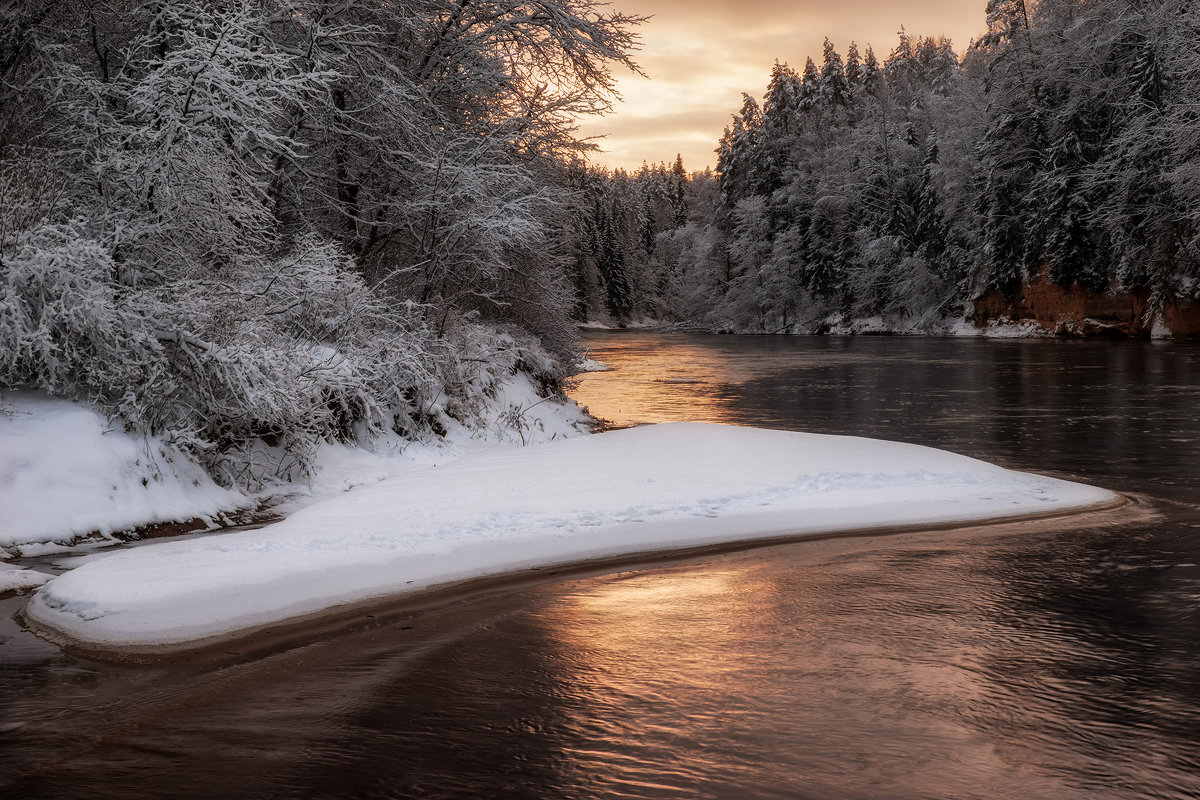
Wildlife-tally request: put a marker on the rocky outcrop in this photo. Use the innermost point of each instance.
(1074, 311)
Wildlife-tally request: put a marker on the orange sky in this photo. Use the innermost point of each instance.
(702, 54)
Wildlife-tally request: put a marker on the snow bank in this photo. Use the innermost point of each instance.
(591, 365)
(1006, 328)
(65, 472)
(15, 578)
(927, 324)
(504, 509)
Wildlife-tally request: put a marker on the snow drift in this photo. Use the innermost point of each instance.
(65, 472)
(640, 490)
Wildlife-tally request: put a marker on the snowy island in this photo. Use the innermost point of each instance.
(497, 509)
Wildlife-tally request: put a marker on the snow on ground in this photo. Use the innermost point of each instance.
(65, 472)
(517, 415)
(504, 509)
(1006, 328)
(591, 365)
(920, 325)
(14, 578)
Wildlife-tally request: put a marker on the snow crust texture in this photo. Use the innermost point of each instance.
(65, 472)
(14, 579)
(503, 509)
(68, 475)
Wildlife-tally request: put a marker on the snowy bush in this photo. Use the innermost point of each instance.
(482, 359)
(265, 367)
(251, 372)
(65, 325)
(250, 227)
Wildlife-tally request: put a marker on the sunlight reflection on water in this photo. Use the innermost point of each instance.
(1043, 660)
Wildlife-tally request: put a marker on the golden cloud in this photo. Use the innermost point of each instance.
(702, 54)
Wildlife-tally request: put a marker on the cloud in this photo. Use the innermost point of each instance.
(702, 54)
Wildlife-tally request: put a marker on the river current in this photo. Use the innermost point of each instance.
(1051, 660)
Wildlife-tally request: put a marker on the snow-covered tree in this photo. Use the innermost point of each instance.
(834, 85)
(250, 225)
(737, 155)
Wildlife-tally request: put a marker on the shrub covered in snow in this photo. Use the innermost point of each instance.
(249, 227)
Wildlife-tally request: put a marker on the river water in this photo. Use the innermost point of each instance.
(1048, 660)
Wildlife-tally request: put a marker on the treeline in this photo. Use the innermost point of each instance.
(255, 225)
(622, 225)
(1066, 139)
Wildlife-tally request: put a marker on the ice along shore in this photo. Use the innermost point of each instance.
(632, 492)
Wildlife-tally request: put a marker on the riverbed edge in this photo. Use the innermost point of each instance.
(261, 640)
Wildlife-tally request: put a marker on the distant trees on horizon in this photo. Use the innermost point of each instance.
(1065, 138)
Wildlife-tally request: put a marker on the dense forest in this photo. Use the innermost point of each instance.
(248, 225)
(890, 194)
(261, 224)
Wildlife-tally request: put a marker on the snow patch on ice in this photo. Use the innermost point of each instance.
(591, 365)
(15, 579)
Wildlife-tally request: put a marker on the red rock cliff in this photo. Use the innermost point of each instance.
(1074, 311)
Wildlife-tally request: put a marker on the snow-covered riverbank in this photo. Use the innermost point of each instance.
(504, 509)
(73, 482)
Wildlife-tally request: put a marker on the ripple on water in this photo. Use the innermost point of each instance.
(1055, 661)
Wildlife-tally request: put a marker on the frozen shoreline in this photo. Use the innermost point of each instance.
(72, 481)
(273, 637)
(612, 497)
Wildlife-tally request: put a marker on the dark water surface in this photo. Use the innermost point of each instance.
(1048, 660)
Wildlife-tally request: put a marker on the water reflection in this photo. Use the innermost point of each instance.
(675, 378)
(1036, 661)
(1107, 655)
(915, 667)
(1123, 414)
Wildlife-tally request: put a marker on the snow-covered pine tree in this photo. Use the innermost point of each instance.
(610, 264)
(738, 169)
(854, 71)
(810, 87)
(871, 73)
(1012, 148)
(1182, 134)
(780, 125)
(678, 193)
(1144, 222)
(834, 87)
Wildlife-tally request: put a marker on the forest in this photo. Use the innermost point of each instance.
(257, 225)
(889, 193)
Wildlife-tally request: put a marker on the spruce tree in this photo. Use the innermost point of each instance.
(678, 193)
(810, 88)
(834, 88)
(737, 165)
(854, 70)
(779, 126)
(871, 75)
(780, 101)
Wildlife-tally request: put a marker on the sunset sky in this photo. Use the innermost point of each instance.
(702, 54)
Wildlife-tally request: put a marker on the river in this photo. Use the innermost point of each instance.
(1050, 660)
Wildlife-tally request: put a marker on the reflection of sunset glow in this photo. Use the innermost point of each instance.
(673, 670)
(625, 600)
(679, 383)
(693, 623)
